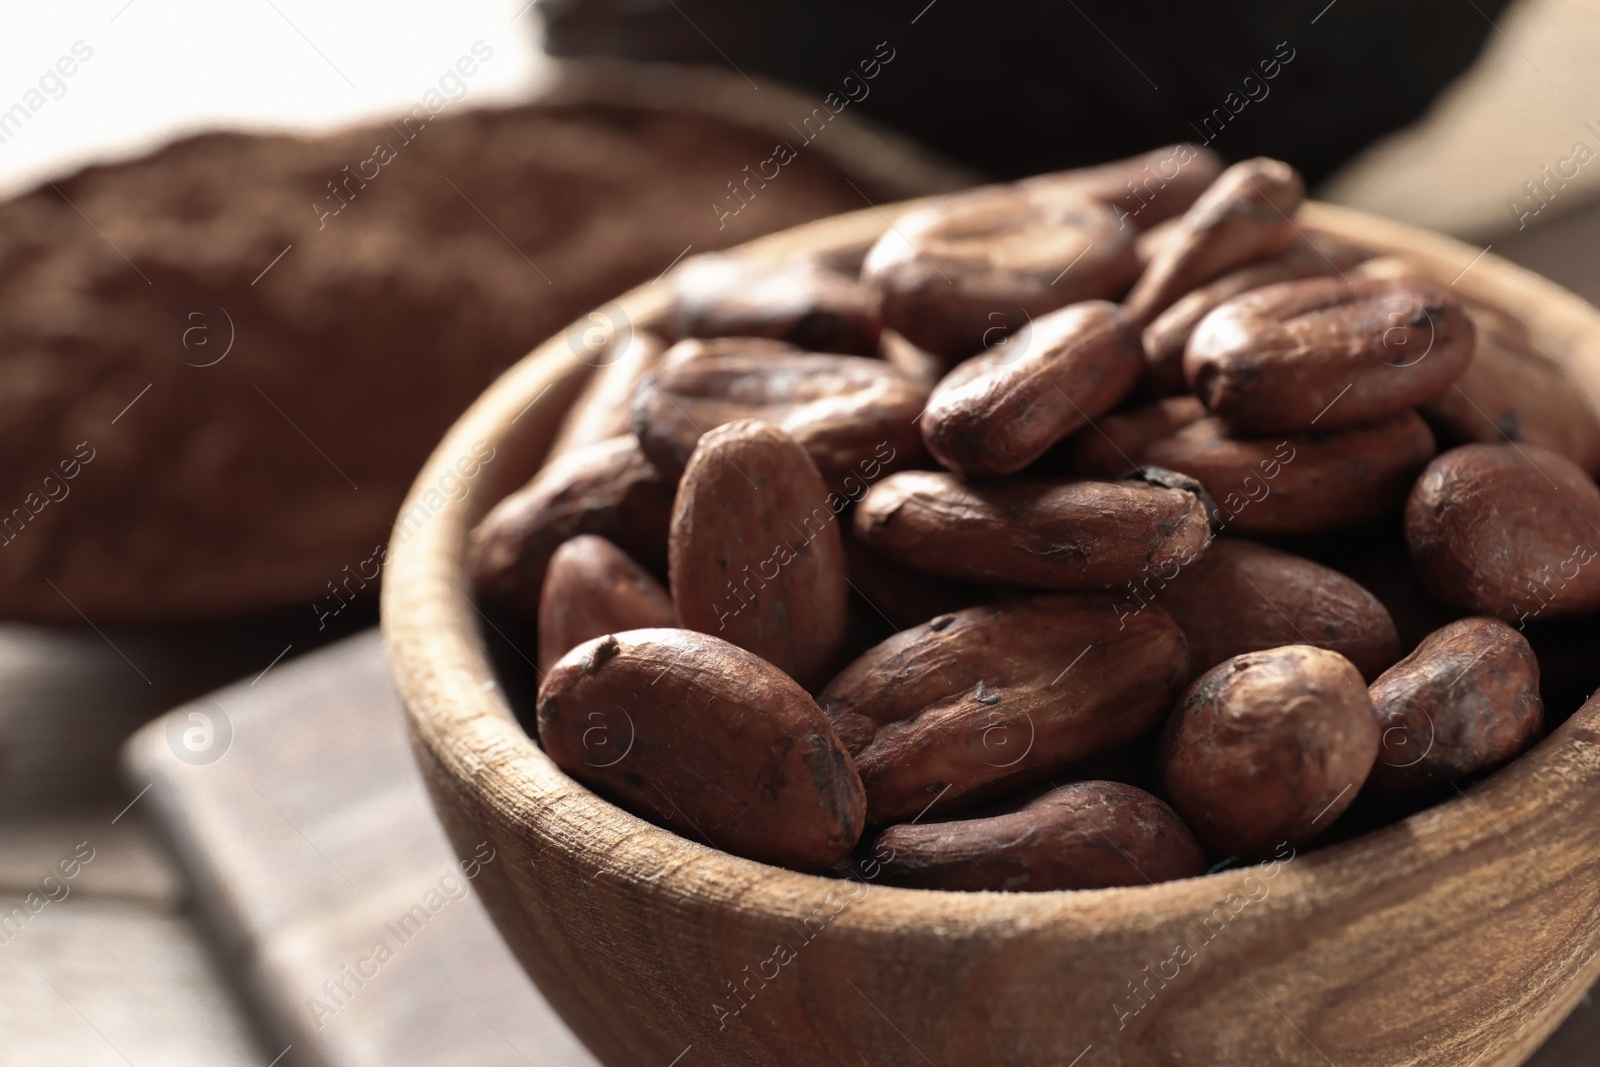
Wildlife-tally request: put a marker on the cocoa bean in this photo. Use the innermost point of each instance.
(706, 739)
(798, 302)
(1117, 444)
(1050, 534)
(754, 553)
(601, 411)
(592, 589)
(1464, 702)
(1269, 748)
(1000, 410)
(1087, 835)
(994, 697)
(1507, 530)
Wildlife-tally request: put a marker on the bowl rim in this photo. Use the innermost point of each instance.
(463, 728)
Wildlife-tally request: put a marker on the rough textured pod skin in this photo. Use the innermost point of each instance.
(967, 271)
(1269, 747)
(754, 553)
(706, 739)
(1507, 530)
(1168, 335)
(1326, 353)
(601, 411)
(1464, 702)
(971, 704)
(592, 589)
(609, 489)
(1239, 597)
(1116, 444)
(799, 302)
(1087, 835)
(1047, 534)
(847, 411)
(1143, 190)
(1300, 483)
(1243, 216)
(1000, 410)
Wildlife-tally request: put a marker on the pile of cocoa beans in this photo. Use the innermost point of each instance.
(994, 554)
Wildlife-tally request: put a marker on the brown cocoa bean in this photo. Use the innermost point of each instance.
(1326, 353)
(1168, 335)
(1000, 410)
(754, 553)
(1300, 483)
(706, 739)
(852, 414)
(699, 347)
(609, 489)
(1116, 444)
(601, 412)
(1087, 835)
(1269, 748)
(1511, 391)
(1464, 702)
(899, 595)
(918, 364)
(1507, 530)
(993, 697)
(1045, 534)
(966, 271)
(798, 302)
(1239, 596)
(1243, 216)
(1143, 190)
(592, 589)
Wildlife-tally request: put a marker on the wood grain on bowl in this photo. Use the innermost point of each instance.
(1462, 935)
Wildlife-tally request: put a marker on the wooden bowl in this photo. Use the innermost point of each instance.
(1463, 935)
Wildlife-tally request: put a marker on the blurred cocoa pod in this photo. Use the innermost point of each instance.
(261, 337)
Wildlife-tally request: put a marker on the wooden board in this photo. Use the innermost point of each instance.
(308, 843)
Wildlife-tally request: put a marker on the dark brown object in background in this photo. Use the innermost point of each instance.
(967, 271)
(592, 589)
(1116, 444)
(1035, 532)
(1002, 409)
(1088, 835)
(1300, 483)
(603, 410)
(1168, 335)
(798, 302)
(609, 489)
(1243, 216)
(754, 552)
(1327, 353)
(898, 595)
(1464, 702)
(711, 741)
(1239, 597)
(981, 701)
(854, 415)
(1269, 747)
(1507, 530)
(367, 313)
